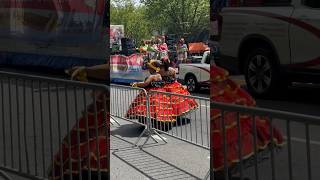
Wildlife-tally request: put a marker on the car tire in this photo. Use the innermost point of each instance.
(262, 73)
(191, 83)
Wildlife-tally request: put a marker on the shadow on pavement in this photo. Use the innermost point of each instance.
(148, 164)
(128, 130)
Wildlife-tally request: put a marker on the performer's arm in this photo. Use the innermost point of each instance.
(145, 83)
(172, 72)
(98, 72)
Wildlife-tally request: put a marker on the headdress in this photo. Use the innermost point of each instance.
(154, 64)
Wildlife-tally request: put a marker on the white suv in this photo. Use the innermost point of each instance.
(272, 44)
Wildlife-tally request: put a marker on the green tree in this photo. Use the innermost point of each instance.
(179, 16)
(133, 17)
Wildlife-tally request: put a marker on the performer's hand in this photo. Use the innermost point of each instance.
(78, 73)
(185, 87)
(134, 84)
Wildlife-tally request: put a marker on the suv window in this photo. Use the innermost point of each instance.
(207, 60)
(312, 3)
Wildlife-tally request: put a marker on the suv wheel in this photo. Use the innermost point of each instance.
(261, 73)
(191, 83)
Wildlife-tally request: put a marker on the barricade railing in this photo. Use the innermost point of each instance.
(297, 158)
(47, 125)
(187, 118)
(191, 126)
(122, 98)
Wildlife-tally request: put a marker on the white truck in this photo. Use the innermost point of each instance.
(273, 43)
(196, 74)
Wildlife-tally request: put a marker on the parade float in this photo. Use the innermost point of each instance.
(54, 34)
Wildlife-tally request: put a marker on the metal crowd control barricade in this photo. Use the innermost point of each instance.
(38, 115)
(191, 126)
(297, 159)
(122, 98)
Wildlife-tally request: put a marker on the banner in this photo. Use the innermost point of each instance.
(69, 28)
(126, 69)
(116, 34)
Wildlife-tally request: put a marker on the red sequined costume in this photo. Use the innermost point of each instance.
(85, 150)
(181, 104)
(224, 90)
(160, 107)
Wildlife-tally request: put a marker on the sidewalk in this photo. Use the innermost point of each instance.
(173, 160)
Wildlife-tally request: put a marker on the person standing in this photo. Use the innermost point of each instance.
(182, 51)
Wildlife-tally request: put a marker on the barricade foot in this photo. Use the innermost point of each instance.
(153, 139)
(111, 118)
(155, 132)
(4, 175)
(207, 176)
(140, 136)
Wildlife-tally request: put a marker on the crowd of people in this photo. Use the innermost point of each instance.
(156, 48)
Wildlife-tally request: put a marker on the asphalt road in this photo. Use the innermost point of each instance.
(299, 98)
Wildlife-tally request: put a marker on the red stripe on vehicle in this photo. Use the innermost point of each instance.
(304, 25)
(311, 63)
(308, 27)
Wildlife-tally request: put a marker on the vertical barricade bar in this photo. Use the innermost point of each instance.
(96, 131)
(42, 129)
(34, 129)
(87, 130)
(149, 124)
(68, 130)
(25, 126)
(225, 146)
(308, 151)
(239, 144)
(255, 150)
(78, 131)
(51, 130)
(18, 124)
(106, 125)
(11, 119)
(3, 125)
(59, 131)
(289, 148)
(272, 145)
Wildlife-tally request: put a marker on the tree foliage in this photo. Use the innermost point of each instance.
(132, 17)
(179, 17)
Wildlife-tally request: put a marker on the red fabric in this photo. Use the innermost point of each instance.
(163, 47)
(163, 107)
(225, 90)
(198, 47)
(85, 150)
(160, 108)
(180, 104)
